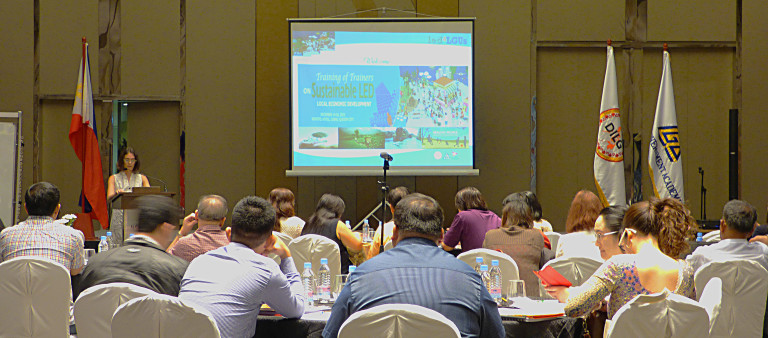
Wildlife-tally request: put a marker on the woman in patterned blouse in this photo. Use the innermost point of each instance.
(653, 235)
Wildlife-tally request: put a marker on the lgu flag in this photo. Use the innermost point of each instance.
(664, 155)
(609, 153)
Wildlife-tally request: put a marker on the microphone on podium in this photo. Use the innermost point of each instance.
(386, 156)
(165, 186)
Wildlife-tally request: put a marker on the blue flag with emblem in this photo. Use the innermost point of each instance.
(664, 152)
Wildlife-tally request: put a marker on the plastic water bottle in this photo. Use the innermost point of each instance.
(308, 280)
(478, 263)
(366, 229)
(324, 281)
(495, 275)
(349, 226)
(485, 276)
(103, 244)
(352, 269)
(699, 237)
(111, 240)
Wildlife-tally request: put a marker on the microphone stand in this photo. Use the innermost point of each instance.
(384, 191)
(703, 196)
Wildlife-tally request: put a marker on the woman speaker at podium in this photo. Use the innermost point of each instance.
(125, 180)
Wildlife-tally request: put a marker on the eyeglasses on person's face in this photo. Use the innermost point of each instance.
(129, 160)
(621, 239)
(599, 235)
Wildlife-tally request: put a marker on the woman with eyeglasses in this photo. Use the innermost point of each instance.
(607, 228)
(653, 235)
(127, 178)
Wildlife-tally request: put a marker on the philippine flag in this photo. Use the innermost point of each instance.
(85, 142)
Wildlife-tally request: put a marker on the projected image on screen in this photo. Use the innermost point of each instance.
(360, 88)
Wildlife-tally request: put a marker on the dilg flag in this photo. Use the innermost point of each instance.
(609, 153)
(664, 153)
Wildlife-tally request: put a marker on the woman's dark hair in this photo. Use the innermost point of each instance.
(121, 159)
(613, 216)
(668, 220)
(470, 198)
(530, 198)
(282, 199)
(330, 207)
(583, 212)
(517, 212)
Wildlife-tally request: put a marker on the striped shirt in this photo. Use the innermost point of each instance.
(38, 236)
(206, 238)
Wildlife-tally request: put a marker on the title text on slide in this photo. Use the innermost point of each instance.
(346, 91)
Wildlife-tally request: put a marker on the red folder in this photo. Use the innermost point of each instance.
(551, 277)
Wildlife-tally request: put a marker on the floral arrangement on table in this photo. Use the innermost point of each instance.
(68, 220)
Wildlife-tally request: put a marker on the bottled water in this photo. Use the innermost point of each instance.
(308, 280)
(478, 263)
(366, 230)
(349, 226)
(103, 244)
(699, 237)
(495, 275)
(352, 268)
(485, 277)
(111, 240)
(324, 282)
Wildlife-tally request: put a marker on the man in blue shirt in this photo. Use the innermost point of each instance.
(233, 281)
(419, 272)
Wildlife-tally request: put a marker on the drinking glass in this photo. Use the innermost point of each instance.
(88, 254)
(338, 285)
(516, 289)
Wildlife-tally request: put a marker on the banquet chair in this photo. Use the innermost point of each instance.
(507, 265)
(36, 294)
(283, 237)
(96, 305)
(156, 315)
(311, 248)
(662, 314)
(575, 269)
(744, 290)
(554, 237)
(398, 320)
(388, 245)
(710, 298)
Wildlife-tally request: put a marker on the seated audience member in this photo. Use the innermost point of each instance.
(143, 260)
(393, 197)
(579, 225)
(471, 223)
(518, 239)
(525, 197)
(416, 271)
(653, 236)
(739, 219)
(233, 281)
(210, 216)
(607, 227)
(288, 223)
(39, 236)
(533, 202)
(326, 221)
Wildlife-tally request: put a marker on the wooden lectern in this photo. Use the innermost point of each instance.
(126, 200)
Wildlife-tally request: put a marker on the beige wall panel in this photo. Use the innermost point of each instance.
(62, 27)
(16, 87)
(153, 130)
(447, 8)
(703, 87)
(691, 20)
(220, 83)
(754, 138)
(60, 165)
(579, 20)
(442, 189)
(570, 84)
(150, 34)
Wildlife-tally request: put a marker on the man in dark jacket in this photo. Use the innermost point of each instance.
(142, 261)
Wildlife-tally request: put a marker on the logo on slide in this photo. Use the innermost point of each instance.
(438, 155)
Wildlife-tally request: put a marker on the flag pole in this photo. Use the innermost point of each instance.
(83, 134)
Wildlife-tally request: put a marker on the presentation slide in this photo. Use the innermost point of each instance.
(360, 88)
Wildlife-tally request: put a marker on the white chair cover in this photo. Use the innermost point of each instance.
(35, 294)
(398, 320)
(388, 245)
(311, 248)
(156, 316)
(554, 237)
(575, 269)
(710, 298)
(744, 292)
(662, 314)
(286, 239)
(508, 266)
(96, 305)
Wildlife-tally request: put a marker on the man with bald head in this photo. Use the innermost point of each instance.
(210, 216)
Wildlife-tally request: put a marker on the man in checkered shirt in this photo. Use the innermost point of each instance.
(39, 236)
(210, 216)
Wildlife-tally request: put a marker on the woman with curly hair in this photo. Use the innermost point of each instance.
(653, 236)
(580, 225)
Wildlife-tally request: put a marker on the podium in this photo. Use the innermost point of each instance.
(126, 202)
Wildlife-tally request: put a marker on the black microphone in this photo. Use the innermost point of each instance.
(165, 186)
(386, 156)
